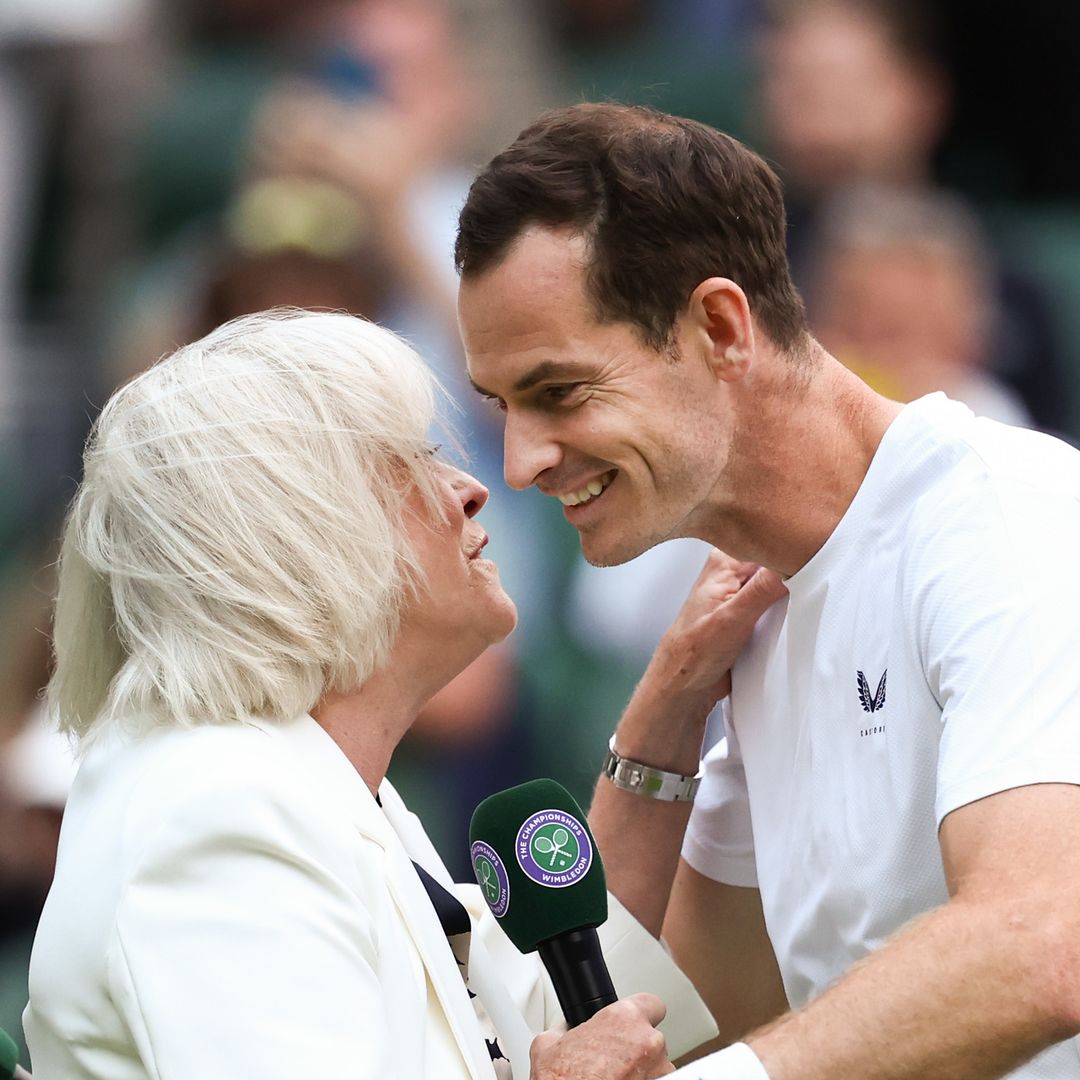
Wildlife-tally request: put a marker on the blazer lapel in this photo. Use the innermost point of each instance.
(447, 980)
(514, 1034)
(323, 758)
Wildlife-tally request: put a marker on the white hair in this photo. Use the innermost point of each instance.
(237, 545)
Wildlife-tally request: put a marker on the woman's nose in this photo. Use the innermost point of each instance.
(472, 493)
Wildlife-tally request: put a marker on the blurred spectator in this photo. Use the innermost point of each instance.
(68, 72)
(902, 293)
(419, 60)
(852, 91)
(855, 90)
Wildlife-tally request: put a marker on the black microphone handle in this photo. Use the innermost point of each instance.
(579, 974)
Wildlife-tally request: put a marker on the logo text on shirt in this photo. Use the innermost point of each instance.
(872, 704)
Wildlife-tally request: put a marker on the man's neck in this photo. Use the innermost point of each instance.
(806, 451)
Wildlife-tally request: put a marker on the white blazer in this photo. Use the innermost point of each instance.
(231, 902)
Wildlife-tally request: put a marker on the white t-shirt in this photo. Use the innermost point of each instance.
(926, 657)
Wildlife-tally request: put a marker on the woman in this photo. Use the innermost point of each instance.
(265, 575)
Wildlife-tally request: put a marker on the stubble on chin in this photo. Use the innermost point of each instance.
(622, 551)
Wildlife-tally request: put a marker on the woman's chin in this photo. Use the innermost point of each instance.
(506, 621)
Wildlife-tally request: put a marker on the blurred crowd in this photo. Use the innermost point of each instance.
(166, 165)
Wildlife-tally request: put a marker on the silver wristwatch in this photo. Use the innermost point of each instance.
(644, 780)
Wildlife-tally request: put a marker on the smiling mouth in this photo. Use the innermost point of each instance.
(476, 551)
(590, 491)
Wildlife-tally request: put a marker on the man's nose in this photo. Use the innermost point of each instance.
(528, 451)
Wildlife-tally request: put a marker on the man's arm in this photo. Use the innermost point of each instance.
(717, 935)
(716, 932)
(974, 988)
(664, 725)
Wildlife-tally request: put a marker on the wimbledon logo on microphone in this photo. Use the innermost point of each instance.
(553, 849)
(491, 874)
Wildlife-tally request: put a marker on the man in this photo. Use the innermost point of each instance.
(885, 842)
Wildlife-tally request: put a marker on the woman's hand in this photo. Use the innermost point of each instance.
(619, 1043)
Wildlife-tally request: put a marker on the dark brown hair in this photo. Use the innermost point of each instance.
(664, 203)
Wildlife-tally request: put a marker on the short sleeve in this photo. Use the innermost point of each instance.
(237, 952)
(719, 841)
(996, 605)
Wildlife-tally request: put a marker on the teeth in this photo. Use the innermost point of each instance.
(589, 491)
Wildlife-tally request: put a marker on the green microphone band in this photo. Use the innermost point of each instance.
(9, 1056)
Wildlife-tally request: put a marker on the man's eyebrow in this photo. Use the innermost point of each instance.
(548, 369)
(479, 389)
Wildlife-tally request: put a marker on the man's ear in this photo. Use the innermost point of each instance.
(719, 309)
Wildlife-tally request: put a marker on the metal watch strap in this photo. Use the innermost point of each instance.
(644, 780)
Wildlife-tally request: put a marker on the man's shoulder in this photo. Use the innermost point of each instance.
(984, 472)
(1006, 509)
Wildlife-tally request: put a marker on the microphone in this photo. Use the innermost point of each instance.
(541, 875)
(9, 1058)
